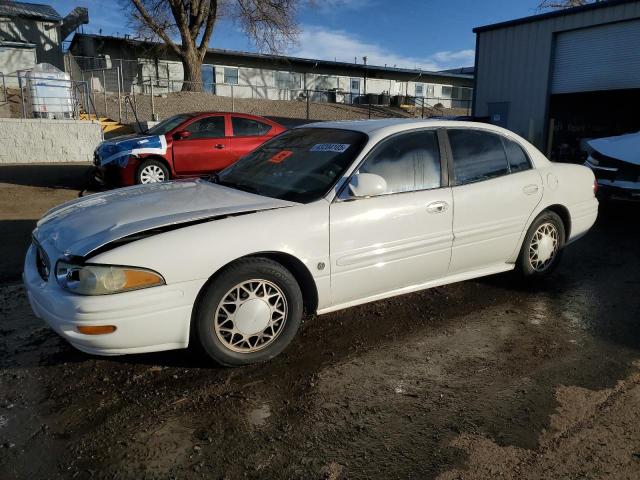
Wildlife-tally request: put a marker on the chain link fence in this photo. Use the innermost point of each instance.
(119, 90)
(24, 95)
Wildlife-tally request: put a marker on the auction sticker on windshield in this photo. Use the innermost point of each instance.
(330, 147)
(281, 156)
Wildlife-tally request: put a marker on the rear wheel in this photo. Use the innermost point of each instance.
(542, 247)
(151, 171)
(249, 313)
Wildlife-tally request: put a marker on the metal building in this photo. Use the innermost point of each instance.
(560, 77)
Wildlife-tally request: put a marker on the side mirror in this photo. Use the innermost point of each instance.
(367, 185)
(181, 135)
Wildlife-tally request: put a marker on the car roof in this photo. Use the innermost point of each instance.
(398, 124)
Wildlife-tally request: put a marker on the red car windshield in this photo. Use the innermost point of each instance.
(300, 165)
(167, 124)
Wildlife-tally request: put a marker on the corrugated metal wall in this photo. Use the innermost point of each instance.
(515, 65)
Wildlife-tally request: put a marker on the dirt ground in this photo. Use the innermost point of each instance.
(482, 379)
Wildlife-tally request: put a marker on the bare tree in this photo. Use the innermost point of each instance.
(270, 24)
(547, 4)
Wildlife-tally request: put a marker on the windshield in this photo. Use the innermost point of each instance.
(300, 165)
(168, 124)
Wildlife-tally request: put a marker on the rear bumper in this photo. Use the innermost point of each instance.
(583, 217)
(147, 320)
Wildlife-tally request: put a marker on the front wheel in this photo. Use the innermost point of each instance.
(249, 313)
(151, 171)
(542, 247)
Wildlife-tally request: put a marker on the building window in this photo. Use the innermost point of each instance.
(419, 90)
(231, 75)
(207, 75)
(288, 80)
(430, 91)
(461, 93)
(447, 91)
(325, 82)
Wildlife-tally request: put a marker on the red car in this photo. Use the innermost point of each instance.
(182, 146)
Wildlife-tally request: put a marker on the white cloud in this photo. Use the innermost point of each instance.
(316, 42)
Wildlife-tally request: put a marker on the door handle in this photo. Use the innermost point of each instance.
(219, 146)
(530, 189)
(437, 207)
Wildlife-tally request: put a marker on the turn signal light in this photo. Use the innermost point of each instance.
(96, 329)
(595, 187)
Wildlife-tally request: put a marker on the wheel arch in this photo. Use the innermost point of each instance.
(297, 268)
(157, 158)
(565, 216)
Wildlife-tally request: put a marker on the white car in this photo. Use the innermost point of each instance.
(615, 162)
(323, 217)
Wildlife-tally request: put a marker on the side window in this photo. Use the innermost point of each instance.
(408, 162)
(209, 127)
(518, 160)
(245, 127)
(477, 156)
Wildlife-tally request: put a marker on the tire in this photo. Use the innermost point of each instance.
(264, 328)
(152, 171)
(531, 265)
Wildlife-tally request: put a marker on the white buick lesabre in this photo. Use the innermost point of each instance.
(323, 217)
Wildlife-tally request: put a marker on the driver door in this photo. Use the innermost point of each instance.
(401, 238)
(206, 149)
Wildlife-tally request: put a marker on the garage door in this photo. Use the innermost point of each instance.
(599, 58)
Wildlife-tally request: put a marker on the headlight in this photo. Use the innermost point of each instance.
(104, 279)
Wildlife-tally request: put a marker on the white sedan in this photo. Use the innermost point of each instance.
(321, 218)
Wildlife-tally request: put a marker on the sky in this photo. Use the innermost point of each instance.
(426, 34)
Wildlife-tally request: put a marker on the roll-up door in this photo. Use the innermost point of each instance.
(606, 57)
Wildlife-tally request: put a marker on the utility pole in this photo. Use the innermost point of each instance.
(364, 60)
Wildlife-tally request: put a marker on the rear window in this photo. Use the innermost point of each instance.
(246, 127)
(477, 156)
(518, 160)
(300, 165)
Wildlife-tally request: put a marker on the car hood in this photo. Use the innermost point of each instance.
(623, 147)
(81, 226)
(121, 148)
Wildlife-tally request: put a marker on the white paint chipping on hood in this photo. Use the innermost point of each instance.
(81, 226)
(623, 147)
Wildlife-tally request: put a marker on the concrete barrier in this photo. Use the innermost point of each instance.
(47, 141)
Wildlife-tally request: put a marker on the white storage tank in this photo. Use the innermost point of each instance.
(51, 92)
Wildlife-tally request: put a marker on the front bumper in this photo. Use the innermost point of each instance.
(112, 174)
(147, 320)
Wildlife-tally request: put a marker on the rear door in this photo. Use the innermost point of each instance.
(247, 135)
(206, 149)
(495, 190)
